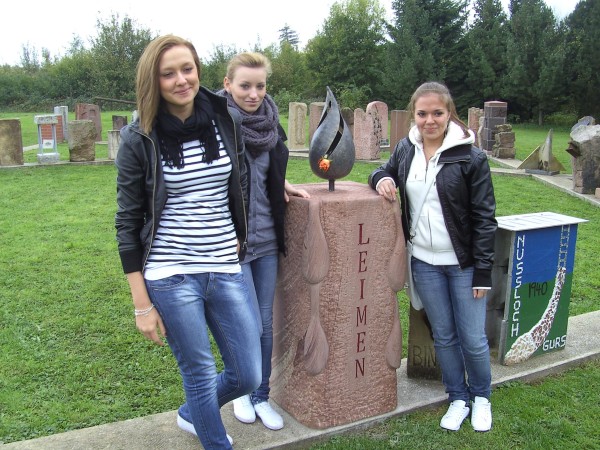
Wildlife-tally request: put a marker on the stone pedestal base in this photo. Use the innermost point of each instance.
(337, 335)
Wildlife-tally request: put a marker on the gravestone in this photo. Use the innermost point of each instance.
(63, 111)
(47, 146)
(421, 361)
(474, 115)
(494, 113)
(296, 132)
(367, 135)
(11, 143)
(88, 111)
(348, 116)
(54, 131)
(399, 126)
(82, 141)
(114, 138)
(314, 116)
(479, 134)
(379, 111)
(118, 122)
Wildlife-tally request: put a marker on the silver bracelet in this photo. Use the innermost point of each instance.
(143, 312)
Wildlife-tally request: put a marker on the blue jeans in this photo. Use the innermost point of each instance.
(261, 276)
(458, 324)
(188, 304)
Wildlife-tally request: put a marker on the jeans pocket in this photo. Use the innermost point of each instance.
(167, 283)
(237, 276)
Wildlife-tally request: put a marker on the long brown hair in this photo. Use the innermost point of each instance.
(147, 81)
(433, 87)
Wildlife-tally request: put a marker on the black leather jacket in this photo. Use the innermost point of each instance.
(141, 192)
(464, 186)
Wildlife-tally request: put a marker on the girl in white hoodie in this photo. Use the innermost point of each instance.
(451, 238)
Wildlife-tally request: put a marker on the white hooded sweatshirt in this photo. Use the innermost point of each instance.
(431, 242)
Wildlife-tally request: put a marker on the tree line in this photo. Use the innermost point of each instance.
(544, 68)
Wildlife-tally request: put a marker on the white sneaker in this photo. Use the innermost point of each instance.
(457, 412)
(481, 416)
(243, 409)
(189, 427)
(270, 418)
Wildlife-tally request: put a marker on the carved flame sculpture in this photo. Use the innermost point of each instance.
(331, 153)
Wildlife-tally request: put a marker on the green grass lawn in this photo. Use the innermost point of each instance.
(71, 357)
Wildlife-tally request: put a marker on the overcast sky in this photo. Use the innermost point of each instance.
(38, 24)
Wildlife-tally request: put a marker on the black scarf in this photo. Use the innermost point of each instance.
(173, 133)
(259, 128)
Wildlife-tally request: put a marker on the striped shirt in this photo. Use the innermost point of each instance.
(196, 232)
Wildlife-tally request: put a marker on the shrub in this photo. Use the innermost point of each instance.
(561, 119)
(283, 98)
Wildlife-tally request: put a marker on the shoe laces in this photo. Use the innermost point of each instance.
(482, 406)
(264, 407)
(455, 410)
(245, 401)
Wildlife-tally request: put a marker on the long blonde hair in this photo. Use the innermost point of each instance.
(147, 81)
(248, 59)
(433, 87)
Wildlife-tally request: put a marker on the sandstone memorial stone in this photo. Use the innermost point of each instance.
(118, 122)
(296, 133)
(82, 141)
(366, 136)
(473, 120)
(337, 334)
(399, 126)
(379, 112)
(88, 111)
(336, 329)
(421, 362)
(348, 116)
(315, 110)
(11, 143)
